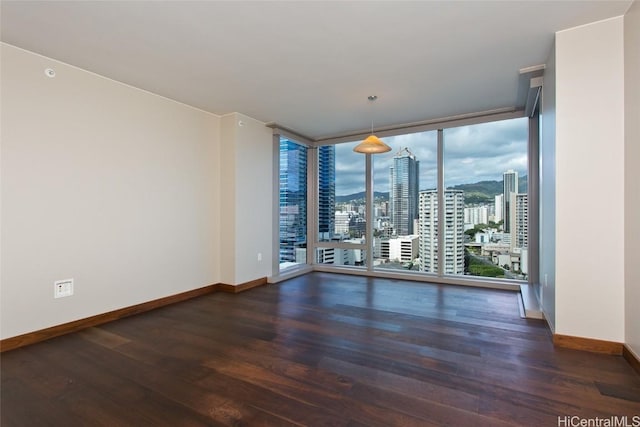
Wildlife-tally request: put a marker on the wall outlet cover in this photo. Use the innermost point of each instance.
(63, 288)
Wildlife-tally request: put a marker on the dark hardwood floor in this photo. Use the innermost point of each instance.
(319, 350)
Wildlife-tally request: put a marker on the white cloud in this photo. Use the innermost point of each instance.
(471, 154)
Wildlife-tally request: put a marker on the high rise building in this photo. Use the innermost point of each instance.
(510, 185)
(453, 231)
(475, 215)
(498, 208)
(342, 222)
(520, 221)
(326, 191)
(293, 200)
(403, 192)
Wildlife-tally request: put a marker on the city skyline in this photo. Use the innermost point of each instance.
(406, 225)
(495, 147)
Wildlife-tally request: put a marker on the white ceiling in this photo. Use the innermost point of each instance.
(308, 65)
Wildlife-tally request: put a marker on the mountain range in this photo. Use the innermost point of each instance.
(477, 192)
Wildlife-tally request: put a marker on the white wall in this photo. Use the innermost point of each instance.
(589, 282)
(104, 183)
(247, 199)
(632, 176)
(227, 241)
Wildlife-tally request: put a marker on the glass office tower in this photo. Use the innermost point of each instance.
(326, 191)
(293, 201)
(403, 192)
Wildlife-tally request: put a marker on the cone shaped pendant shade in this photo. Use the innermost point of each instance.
(372, 145)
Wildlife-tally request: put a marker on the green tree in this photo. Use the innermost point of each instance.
(486, 270)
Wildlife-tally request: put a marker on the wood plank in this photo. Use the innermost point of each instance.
(102, 337)
(320, 349)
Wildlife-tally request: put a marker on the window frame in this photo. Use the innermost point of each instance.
(439, 126)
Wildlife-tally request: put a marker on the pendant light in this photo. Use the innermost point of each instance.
(372, 144)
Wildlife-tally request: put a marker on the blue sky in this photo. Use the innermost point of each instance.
(472, 153)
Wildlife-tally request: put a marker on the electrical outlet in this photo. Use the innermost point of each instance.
(63, 288)
(546, 280)
(259, 256)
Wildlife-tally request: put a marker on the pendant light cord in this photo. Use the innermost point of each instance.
(371, 99)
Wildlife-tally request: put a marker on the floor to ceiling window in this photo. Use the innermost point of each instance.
(485, 180)
(341, 206)
(293, 203)
(474, 223)
(399, 177)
